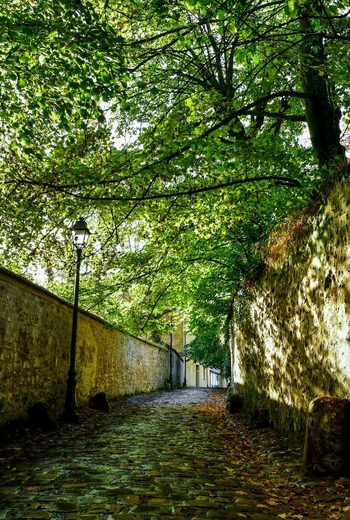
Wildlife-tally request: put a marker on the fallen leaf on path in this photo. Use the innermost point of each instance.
(272, 502)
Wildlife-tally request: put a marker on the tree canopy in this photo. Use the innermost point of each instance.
(183, 131)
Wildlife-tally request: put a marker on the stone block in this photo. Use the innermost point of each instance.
(100, 402)
(234, 403)
(39, 418)
(327, 441)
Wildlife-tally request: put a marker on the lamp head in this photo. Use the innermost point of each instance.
(80, 233)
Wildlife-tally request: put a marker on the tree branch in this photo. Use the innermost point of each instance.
(286, 181)
(279, 115)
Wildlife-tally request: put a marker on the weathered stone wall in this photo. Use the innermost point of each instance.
(177, 369)
(293, 341)
(35, 331)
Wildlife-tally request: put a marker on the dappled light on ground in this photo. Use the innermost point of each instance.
(152, 459)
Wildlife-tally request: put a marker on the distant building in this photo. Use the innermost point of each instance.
(216, 379)
(196, 374)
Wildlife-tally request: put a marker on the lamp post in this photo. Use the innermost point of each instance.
(171, 362)
(80, 237)
(185, 359)
(185, 381)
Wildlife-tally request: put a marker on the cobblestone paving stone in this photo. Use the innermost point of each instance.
(170, 455)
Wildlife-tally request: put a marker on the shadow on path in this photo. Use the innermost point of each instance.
(168, 455)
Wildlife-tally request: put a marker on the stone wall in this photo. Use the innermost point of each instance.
(292, 342)
(35, 331)
(177, 369)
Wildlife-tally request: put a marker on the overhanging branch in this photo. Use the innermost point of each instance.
(284, 181)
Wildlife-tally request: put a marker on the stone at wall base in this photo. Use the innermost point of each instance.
(39, 418)
(234, 403)
(100, 402)
(327, 441)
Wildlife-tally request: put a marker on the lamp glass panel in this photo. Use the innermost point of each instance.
(80, 237)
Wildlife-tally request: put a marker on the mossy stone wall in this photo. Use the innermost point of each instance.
(35, 332)
(293, 342)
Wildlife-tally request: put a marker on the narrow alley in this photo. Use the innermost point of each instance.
(175, 455)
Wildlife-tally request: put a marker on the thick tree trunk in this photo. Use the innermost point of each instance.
(322, 115)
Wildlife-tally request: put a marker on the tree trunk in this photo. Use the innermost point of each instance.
(322, 114)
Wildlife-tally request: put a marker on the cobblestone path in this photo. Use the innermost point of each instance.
(165, 456)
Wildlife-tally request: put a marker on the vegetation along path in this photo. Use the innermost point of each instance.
(168, 455)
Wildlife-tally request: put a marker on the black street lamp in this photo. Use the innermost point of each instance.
(171, 362)
(80, 237)
(185, 359)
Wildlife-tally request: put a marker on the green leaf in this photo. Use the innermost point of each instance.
(22, 82)
(222, 14)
